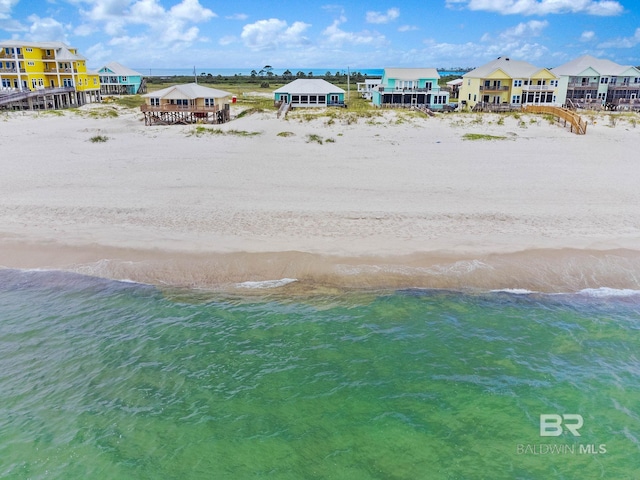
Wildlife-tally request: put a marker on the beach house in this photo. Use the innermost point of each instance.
(590, 82)
(507, 84)
(366, 88)
(43, 75)
(116, 79)
(309, 92)
(186, 103)
(407, 87)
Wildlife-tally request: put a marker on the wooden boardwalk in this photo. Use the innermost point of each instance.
(576, 124)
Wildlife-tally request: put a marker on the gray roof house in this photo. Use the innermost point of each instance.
(309, 92)
(595, 82)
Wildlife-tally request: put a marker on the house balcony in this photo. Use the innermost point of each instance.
(586, 86)
(179, 108)
(12, 70)
(494, 88)
(404, 90)
(628, 86)
(538, 88)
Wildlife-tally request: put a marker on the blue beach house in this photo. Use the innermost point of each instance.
(407, 87)
(116, 79)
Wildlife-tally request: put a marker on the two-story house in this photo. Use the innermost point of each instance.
(406, 87)
(45, 75)
(504, 84)
(116, 79)
(593, 82)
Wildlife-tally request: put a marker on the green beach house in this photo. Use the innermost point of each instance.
(407, 87)
(116, 79)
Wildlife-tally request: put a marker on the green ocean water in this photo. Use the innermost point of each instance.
(110, 380)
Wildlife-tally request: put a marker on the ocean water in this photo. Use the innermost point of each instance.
(106, 379)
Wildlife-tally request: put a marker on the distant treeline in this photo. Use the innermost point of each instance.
(264, 79)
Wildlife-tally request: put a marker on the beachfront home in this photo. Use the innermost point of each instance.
(116, 79)
(309, 92)
(590, 82)
(187, 103)
(366, 88)
(43, 75)
(507, 84)
(407, 87)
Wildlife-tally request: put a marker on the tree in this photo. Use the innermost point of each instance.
(254, 73)
(300, 74)
(287, 75)
(268, 69)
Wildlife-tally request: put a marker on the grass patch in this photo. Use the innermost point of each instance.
(127, 101)
(250, 111)
(55, 113)
(312, 137)
(482, 136)
(200, 130)
(286, 134)
(99, 139)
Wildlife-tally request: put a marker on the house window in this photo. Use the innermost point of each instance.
(124, 79)
(636, 80)
(313, 98)
(553, 83)
(29, 49)
(322, 99)
(209, 102)
(517, 83)
(604, 80)
(295, 99)
(155, 102)
(31, 63)
(515, 99)
(304, 98)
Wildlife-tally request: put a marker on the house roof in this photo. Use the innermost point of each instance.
(312, 86)
(63, 51)
(188, 90)
(586, 62)
(118, 69)
(411, 73)
(513, 68)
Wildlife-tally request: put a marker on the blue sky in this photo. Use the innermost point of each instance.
(302, 34)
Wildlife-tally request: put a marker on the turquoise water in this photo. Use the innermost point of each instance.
(105, 379)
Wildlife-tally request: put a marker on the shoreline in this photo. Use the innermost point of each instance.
(391, 200)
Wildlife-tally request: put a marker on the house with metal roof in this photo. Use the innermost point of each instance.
(309, 92)
(116, 79)
(410, 87)
(186, 103)
(507, 84)
(590, 82)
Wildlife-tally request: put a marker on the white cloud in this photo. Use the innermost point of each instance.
(379, 17)
(237, 16)
(525, 30)
(541, 7)
(623, 42)
(407, 28)
(192, 11)
(336, 36)
(587, 36)
(227, 40)
(46, 29)
(272, 33)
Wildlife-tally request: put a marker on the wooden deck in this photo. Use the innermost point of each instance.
(178, 114)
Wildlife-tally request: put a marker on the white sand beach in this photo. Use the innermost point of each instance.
(388, 192)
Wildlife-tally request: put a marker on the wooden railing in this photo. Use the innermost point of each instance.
(178, 108)
(577, 125)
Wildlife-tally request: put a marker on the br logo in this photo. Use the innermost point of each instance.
(551, 424)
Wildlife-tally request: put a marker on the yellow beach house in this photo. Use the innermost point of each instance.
(506, 84)
(43, 75)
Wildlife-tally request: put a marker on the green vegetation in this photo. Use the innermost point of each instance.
(99, 139)
(482, 136)
(200, 130)
(55, 113)
(286, 134)
(127, 101)
(314, 138)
